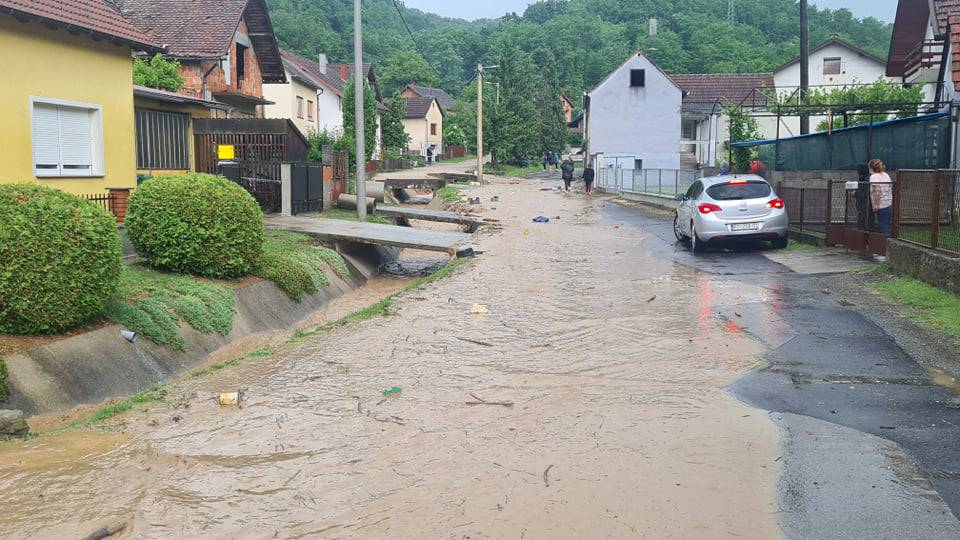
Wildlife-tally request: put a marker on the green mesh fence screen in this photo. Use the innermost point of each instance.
(922, 142)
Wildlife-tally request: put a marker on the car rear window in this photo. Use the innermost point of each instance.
(737, 192)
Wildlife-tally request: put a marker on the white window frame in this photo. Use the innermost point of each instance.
(838, 60)
(96, 138)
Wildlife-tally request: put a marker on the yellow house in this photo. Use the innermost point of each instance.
(423, 122)
(164, 129)
(67, 92)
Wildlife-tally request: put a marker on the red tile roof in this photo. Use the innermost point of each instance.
(418, 107)
(312, 69)
(190, 28)
(947, 12)
(99, 17)
(204, 29)
(721, 87)
(948, 20)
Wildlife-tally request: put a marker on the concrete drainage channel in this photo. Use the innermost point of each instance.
(104, 364)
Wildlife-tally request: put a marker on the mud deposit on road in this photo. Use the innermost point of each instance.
(614, 362)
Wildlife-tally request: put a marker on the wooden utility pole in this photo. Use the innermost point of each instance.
(804, 68)
(480, 123)
(360, 127)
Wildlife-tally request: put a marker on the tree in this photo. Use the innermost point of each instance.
(453, 133)
(406, 67)
(743, 127)
(553, 128)
(158, 73)
(516, 128)
(350, 119)
(395, 137)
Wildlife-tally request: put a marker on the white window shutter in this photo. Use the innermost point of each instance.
(46, 138)
(76, 140)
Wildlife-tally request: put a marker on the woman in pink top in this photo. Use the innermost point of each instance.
(881, 196)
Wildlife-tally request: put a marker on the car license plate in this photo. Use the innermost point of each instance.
(745, 227)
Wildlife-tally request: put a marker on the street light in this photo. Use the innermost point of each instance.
(480, 68)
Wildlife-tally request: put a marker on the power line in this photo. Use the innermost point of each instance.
(414, 40)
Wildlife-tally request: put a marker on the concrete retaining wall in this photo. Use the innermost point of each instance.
(100, 365)
(657, 201)
(925, 264)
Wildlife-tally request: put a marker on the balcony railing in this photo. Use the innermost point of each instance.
(928, 54)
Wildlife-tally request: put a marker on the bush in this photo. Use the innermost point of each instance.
(59, 259)
(196, 223)
(296, 265)
(4, 392)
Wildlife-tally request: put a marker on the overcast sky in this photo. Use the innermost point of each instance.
(881, 9)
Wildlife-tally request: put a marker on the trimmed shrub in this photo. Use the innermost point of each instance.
(59, 259)
(296, 265)
(197, 224)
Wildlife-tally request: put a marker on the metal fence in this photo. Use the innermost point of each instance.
(809, 208)
(927, 208)
(667, 182)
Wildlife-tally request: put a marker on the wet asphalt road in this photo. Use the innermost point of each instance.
(870, 441)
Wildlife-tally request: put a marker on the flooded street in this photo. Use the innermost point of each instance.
(589, 401)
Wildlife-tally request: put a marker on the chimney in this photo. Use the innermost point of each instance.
(323, 63)
(343, 72)
(653, 27)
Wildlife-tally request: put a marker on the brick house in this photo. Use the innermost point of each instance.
(226, 48)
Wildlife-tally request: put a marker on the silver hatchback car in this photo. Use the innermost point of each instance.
(738, 207)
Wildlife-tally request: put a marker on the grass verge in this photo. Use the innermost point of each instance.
(350, 215)
(151, 303)
(799, 247)
(460, 159)
(449, 194)
(511, 170)
(297, 264)
(124, 405)
(932, 305)
(386, 305)
(209, 370)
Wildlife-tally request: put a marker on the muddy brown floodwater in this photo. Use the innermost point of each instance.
(613, 360)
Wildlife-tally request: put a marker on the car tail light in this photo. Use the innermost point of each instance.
(707, 208)
(737, 181)
(776, 203)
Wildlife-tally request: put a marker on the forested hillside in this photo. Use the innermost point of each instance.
(585, 38)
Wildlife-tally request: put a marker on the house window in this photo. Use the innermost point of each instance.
(241, 61)
(831, 66)
(310, 110)
(638, 78)
(689, 131)
(638, 164)
(299, 107)
(433, 129)
(163, 140)
(67, 138)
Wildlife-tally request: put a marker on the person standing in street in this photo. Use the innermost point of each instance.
(588, 176)
(567, 171)
(881, 196)
(554, 159)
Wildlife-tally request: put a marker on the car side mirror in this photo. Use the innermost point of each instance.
(681, 197)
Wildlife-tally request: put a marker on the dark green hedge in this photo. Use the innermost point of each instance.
(196, 223)
(59, 259)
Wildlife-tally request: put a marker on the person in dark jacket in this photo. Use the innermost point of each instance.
(588, 176)
(567, 171)
(554, 159)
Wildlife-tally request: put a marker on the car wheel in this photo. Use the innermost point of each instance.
(781, 243)
(676, 228)
(696, 244)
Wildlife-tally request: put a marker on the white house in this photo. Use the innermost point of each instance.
(705, 129)
(295, 99)
(330, 81)
(832, 63)
(633, 118)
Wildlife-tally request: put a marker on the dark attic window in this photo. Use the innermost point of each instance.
(638, 78)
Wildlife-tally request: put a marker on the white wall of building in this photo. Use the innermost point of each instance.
(330, 113)
(855, 68)
(284, 97)
(636, 123)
